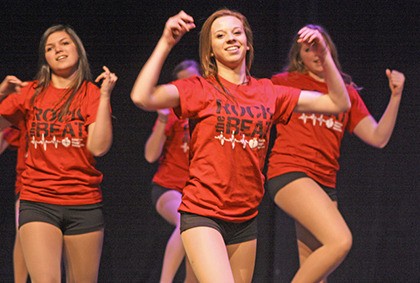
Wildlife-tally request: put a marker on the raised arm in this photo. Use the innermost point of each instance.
(378, 134)
(154, 145)
(145, 94)
(100, 132)
(337, 99)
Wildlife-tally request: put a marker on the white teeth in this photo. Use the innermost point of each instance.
(232, 48)
(61, 57)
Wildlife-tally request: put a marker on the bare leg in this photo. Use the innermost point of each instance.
(19, 266)
(167, 207)
(189, 273)
(208, 255)
(242, 260)
(82, 256)
(42, 248)
(309, 205)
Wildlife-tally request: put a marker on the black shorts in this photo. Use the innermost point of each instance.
(277, 183)
(232, 232)
(157, 192)
(71, 220)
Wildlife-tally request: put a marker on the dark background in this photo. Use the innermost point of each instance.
(378, 189)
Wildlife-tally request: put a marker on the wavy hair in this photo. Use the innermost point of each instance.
(43, 76)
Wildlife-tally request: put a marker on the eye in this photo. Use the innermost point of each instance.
(48, 49)
(66, 42)
(219, 35)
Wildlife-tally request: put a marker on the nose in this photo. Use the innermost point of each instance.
(57, 48)
(230, 37)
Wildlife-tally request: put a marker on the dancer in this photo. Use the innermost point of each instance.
(11, 138)
(169, 142)
(303, 162)
(68, 123)
(232, 113)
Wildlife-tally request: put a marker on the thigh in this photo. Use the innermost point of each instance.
(306, 240)
(82, 255)
(167, 206)
(207, 253)
(42, 248)
(305, 201)
(242, 260)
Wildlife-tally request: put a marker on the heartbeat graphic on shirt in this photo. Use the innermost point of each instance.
(66, 142)
(253, 143)
(329, 123)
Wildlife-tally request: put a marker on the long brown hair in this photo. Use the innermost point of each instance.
(43, 76)
(295, 63)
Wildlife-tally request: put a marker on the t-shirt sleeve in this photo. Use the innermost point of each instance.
(192, 97)
(287, 98)
(358, 110)
(12, 108)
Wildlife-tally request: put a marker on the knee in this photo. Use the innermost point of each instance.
(344, 244)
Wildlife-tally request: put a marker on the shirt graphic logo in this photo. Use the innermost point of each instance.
(46, 129)
(253, 143)
(330, 123)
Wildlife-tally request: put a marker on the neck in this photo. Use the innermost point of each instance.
(62, 82)
(236, 76)
(317, 77)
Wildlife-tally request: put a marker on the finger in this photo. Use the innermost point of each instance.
(106, 69)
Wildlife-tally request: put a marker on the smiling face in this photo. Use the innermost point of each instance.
(61, 54)
(229, 42)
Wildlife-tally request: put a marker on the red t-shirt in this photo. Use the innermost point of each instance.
(59, 168)
(17, 141)
(229, 142)
(310, 142)
(172, 172)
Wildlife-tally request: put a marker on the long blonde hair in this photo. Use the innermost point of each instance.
(43, 76)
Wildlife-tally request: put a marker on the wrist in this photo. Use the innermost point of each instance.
(163, 119)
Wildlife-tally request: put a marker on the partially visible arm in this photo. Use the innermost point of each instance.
(337, 100)
(154, 145)
(3, 143)
(4, 123)
(145, 94)
(378, 134)
(100, 132)
(9, 85)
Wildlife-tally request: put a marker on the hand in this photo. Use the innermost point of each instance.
(396, 81)
(108, 83)
(314, 38)
(176, 27)
(9, 85)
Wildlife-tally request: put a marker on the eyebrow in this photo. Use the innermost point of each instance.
(61, 39)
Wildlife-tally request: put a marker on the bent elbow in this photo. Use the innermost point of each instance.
(346, 106)
(138, 101)
(150, 158)
(99, 151)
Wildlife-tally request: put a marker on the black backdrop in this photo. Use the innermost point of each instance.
(378, 189)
